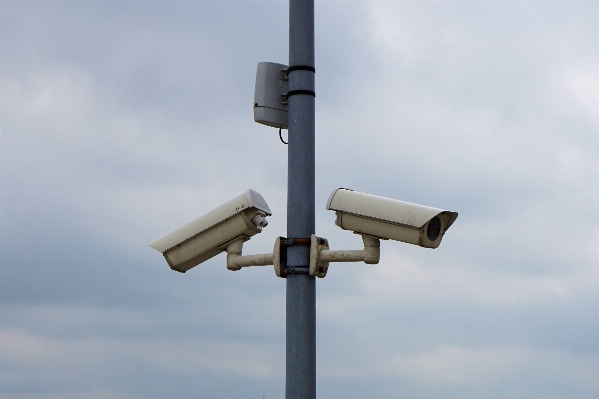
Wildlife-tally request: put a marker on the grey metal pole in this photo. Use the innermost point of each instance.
(300, 380)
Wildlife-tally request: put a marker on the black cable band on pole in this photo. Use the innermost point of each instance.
(296, 92)
(300, 68)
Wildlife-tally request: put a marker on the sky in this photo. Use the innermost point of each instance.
(122, 120)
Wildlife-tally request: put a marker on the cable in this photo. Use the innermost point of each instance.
(281, 137)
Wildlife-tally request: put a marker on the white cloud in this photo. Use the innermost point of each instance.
(76, 358)
(72, 394)
(48, 98)
(491, 365)
(580, 85)
(404, 284)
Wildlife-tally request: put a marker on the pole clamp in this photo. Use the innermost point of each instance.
(299, 68)
(280, 256)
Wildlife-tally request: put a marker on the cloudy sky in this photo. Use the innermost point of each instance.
(122, 120)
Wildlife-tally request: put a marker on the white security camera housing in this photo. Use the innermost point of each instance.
(390, 219)
(211, 233)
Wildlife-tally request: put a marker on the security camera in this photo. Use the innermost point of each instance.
(390, 219)
(211, 233)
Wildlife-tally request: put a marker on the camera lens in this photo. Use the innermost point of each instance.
(434, 228)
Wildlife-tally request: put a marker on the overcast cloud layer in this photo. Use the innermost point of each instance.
(122, 120)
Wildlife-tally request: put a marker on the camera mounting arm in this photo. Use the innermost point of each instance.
(321, 255)
(236, 261)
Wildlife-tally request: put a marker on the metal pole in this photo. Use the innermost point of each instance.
(300, 380)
